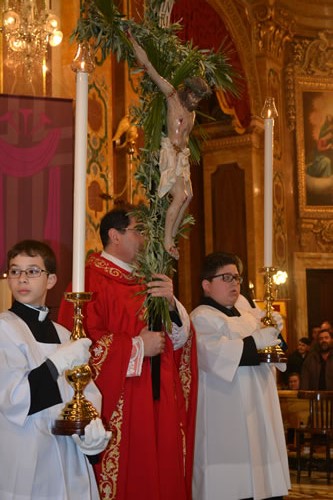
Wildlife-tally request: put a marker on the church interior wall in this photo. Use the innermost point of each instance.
(279, 48)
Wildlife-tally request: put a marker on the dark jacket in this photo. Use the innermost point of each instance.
(310, 374)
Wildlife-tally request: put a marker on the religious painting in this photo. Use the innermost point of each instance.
(314, 109)
(36, 179)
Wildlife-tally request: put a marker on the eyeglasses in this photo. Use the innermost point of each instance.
(30, 272)
(140, 232)
(228, 277)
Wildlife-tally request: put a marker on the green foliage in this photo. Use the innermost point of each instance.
(105, 28)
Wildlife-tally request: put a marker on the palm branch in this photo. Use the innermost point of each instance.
(104, 27)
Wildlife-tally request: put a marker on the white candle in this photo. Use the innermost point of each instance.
(268, 194)
(80, 162)
(268, 113)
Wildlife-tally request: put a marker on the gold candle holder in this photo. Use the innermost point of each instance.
(78, 412)
(272, 354)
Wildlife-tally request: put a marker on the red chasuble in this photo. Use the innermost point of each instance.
(151, 454)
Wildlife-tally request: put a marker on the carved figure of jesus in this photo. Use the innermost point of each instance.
(174, 153)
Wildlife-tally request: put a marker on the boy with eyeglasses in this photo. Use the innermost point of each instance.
(240, 450)
(34, 355)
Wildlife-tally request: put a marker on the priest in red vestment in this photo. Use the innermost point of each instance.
(151, 455)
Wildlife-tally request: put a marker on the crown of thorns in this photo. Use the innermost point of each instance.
(198, 86)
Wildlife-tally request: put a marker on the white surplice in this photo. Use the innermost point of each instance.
(240, 449)
(34, 463)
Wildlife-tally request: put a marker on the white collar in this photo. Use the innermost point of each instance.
(123, 265)
(43, 311)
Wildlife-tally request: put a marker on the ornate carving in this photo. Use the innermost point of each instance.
(317, 235)
(238, 26)
(290, 96)
(274, 27)
(279, 222)
(308, 58)
(318, 57)
(165, 13)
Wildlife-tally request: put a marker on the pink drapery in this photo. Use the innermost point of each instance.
(36, 179)
(26, 162)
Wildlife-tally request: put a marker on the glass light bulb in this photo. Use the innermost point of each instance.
(11, 20)
(280, 277)
(56, 38)
(16, 44)
(52, 22)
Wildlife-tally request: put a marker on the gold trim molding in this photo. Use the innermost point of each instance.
(309, 58)
(274, 27)
(317, 235)
(237, 22)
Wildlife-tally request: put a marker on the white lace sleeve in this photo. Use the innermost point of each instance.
(136, 360)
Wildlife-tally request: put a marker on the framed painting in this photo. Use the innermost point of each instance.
(314, 137)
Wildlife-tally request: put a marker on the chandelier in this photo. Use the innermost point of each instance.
(29, 27)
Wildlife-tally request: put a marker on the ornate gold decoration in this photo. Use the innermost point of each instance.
(318, 56)
(185, 370)
(270, 354)
(78, 412)
(273, 29)
(317, 235)
(237, 21)
(290, 96)
(312, 58)
(126, 137)
(100, 351)
(279, 222)
(110, 459)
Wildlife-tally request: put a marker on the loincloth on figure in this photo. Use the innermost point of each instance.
(173, 163)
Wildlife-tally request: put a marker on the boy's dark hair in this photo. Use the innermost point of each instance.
(33, 248)
(117, 218)
(215, 260)
(294, 374)
(305, 340)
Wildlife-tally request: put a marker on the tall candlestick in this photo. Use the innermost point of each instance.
(78, 412)
(82, 65)
(269, 112)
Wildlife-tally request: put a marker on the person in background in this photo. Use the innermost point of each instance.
(151, 455)
(317, 369)
(313, 337)
(326, 325)
(297, 357)
(240, 449)
(294, 381)
(34, 355)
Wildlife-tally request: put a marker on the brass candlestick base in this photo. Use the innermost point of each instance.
(270, 354)
(78, 412)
